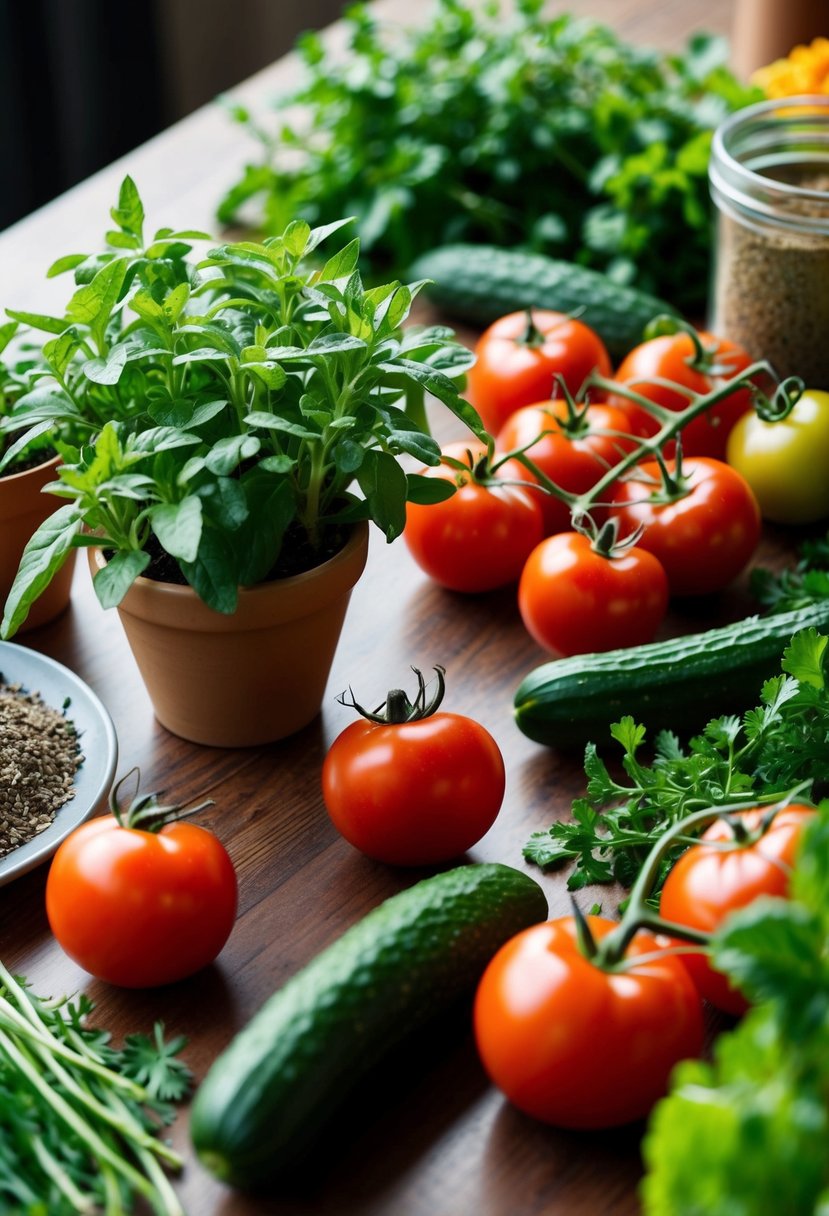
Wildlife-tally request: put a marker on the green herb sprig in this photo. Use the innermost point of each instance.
(511, 128)
(757, 758)
(81, 1118)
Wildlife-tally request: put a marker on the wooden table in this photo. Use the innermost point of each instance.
(436, 1140)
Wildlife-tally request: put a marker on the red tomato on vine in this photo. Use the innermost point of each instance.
(519, 357)
(696, 362)
(699, 518)
(735, 862)
(138, 898)
(573, 445)
(411, 786)
(480, 537)
(577, 1045)
(577, 595)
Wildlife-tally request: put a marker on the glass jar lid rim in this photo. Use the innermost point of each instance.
(744, 117)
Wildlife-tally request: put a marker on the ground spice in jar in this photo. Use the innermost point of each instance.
(769, 180)
(773, 294)
(39, 757)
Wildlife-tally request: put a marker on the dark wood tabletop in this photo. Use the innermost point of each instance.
(433, 1138)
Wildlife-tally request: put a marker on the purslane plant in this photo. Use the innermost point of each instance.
(223, 410)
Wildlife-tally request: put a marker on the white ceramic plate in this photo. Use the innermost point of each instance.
(56, 684)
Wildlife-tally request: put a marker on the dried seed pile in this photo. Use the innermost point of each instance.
(772, 291)
(39, 756)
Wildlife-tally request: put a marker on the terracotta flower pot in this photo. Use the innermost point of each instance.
(23, 508)
(250, 678)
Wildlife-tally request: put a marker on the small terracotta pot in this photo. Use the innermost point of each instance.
(250, 678)
(23, 508)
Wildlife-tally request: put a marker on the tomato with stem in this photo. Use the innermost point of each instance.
(698, 516)
(520, 356)
(480, 537)
(736, 860)
(411, 786)
(579, 594)
(572, 444)
(578, 1044)
(669, 370)
(785, 459)
(139, 898)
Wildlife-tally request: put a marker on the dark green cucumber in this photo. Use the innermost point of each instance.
(267, 1099)
(479, 283)
(677, 685)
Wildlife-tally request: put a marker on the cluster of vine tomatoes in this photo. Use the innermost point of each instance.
(682, 523)
(581, 1040)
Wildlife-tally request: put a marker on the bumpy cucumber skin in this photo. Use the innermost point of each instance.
(479, 283)
(268, 1097)
(678, 684)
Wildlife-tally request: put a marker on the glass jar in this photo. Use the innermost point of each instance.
(769, 179)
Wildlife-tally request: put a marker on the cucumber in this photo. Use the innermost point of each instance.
(479, 283)
(678, 684)
(267, 1099)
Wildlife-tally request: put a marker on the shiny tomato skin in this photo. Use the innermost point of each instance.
(785, 462)
(665, 358)
(509, 372)
(578, 1047)
(573, 600)
(708, 882)
(414, 793)
(139, 909)
(478, 539)
(703, 540)
(575, 463)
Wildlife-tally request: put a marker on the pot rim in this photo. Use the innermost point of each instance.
(49, 464)
(178, 606)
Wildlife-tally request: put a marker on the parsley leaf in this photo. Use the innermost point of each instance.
(776, 746)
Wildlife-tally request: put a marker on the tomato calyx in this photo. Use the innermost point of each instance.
(605, 540)
(702, 358)
(397, 708)
(144, 812)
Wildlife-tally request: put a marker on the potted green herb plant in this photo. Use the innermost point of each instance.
(242, 416)
(25, 469)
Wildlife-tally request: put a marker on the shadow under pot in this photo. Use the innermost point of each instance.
(252, 677)
(23, 508)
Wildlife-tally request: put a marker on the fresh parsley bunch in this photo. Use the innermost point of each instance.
(513, 129)
(756, 758)
(81, 1118)
(231, 412)
(746, 1133)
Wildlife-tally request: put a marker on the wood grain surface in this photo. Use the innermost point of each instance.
(432, 1137)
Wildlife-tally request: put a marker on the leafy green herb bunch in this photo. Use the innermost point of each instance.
(21, 365)
(504, 125)
(224, 414)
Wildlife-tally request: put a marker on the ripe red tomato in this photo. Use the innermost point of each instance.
(479, 538)
(574, 456)
(671, 357)
(519, 356)
(413, 792)
(577, 1046)
(575, 600)
(723, 873)
(703, 537)
(141, 908)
